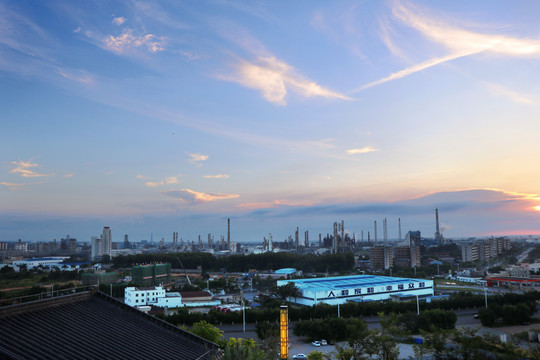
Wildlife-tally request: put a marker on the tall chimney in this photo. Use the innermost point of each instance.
(229, 234)
(399, 224)
(437, 233)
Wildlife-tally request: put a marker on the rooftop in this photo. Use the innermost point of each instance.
(91, 325)
(347, 282)
(191, 294)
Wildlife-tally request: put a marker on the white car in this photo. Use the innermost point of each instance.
(316, 343)
(324, 343)
(299, 356)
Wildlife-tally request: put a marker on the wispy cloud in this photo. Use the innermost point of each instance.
(274, 78)
(69, 175)
(364, 150)
(272, 204)
(23, 168)
(128, 40)
(219, 176)
(167, 181)
(12, 186)
(197, 159)
(460, 41)
(514, 96)
(119, 20)
(81, 76)
(412, 69)
(193, 196)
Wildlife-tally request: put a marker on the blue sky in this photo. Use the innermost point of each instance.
(161, 116)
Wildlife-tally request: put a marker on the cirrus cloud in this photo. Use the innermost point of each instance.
(460, 42)
(272, 204)
(364, 150)
(192, 196)
(274, 78)
(119, 20)
(167, 181)
(127, 40)
(218, 176)
(22, 168)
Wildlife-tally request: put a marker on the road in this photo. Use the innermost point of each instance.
(300, 344)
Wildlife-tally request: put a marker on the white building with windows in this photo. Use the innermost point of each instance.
(339, 290)
(156, 296)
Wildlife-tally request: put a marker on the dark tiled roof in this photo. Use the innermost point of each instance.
(91, 325)
(191, 294)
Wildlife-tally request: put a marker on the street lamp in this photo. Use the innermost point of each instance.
(244, 314)
(417, 305)
(485, 295)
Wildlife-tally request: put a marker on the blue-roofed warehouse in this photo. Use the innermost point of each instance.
(338, 290)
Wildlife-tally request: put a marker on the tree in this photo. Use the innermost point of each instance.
(469, 343)
(207, 331)
(266, 329)
(289, 290)
(315, 355)
(435, 343)
(345, 353)
(387, 347)
(242, 349)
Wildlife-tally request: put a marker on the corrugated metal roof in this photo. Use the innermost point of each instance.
(93, 326)
(346, 282)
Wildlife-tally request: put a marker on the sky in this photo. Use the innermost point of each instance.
(154, 117)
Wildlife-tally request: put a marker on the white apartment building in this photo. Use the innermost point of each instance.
(153, 295)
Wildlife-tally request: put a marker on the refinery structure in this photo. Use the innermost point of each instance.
(381, 251)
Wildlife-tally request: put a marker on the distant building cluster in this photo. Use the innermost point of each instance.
(484, 250)
(405, 254)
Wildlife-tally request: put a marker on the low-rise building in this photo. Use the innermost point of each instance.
(338, 290)
(157, 296)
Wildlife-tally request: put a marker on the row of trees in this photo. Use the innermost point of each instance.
(507, 314)
(339, 329)
(243, 263)
(363, 343)
(350, 310)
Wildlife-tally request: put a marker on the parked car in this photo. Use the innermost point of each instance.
(299, 357)
(324, 343)
(476, 316)
(316, 343)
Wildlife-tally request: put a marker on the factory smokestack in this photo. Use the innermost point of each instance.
(437, 232)
(229, 234)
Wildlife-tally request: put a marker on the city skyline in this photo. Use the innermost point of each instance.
(162, 117)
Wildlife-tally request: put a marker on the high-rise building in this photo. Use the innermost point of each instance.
(381, 258)
(127, 245)
(469, 252)
(107, 241)
(413, 238)
(97, 248)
